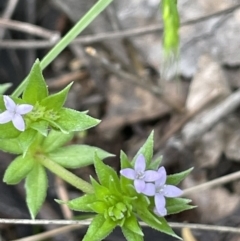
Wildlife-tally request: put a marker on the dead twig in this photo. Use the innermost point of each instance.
(136, 80)
(87, 223)
(112, 35)
(65, 79)
(216, 182)
(180, 122)
(194, 130)
(63, 195)
(30, 29)
(11, 5)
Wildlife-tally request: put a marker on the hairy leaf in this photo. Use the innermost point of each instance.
(146, 150)
(71, 120)
(175, 179)
(36, 189)
(36, 89)
(80, 203)
(55, 139)
(99, 229)
(56, 101)
(18, 169)
(76, 156)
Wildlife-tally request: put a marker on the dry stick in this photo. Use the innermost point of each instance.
(69, 228)
(134, 79)
(213, 116)
(87, 222)
(188, 116)
(213, 183)
(49, 234)
(11, 5)
(63, 195)
(65, 79)
(112, 35)
(29, 28)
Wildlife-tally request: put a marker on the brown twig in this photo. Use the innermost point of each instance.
(87, 222)
(63, 195)
(65, 79)
(112, 35)
(216, 182)
(192, 131)
(29, 28)
(180, 122)
(136, 80)
(11, 5)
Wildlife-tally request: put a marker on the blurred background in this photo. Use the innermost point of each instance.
(116, 68)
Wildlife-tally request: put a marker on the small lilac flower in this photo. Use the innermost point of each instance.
(161, 190)
(139, 174)
(14, 113)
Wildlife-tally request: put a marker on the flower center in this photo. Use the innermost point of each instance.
(140, 175)
(160, 189)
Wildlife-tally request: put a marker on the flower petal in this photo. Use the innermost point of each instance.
(139, 185)
(151, 176)
(18, 122)
(149, 189)
(9, 103)
(128, 173)
(162, 177)
(6, 116)
(23, 109)
(140, 164)
(160, 203)
(172, 191)
(163, 212)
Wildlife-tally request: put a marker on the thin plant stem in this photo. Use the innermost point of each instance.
(67, 39)
(65, 174)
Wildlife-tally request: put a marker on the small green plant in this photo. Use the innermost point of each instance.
(36, 126)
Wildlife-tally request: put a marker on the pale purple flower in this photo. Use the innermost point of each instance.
(14, 113)
(160, 190)
(139, 174)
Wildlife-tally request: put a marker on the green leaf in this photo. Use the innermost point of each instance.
(154, 165)
(130, 235)
(8, 131)
(76, 156)
(104, 172)
(18, 169)
(36, 89)
(159, 224)
(71, 120)
(175, 179)
(4, 87)
(100, 191)
(125, 182)
(177, 205)
(56, 101)
(36, 189)
(131, 223)
(25, 139)
(146, 150)
(99, 229)
(55, 139)
(80, 203)
(40, 126)
(98, 207)
(11, 146)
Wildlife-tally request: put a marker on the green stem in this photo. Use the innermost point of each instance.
(65, 174)
(67, 39)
